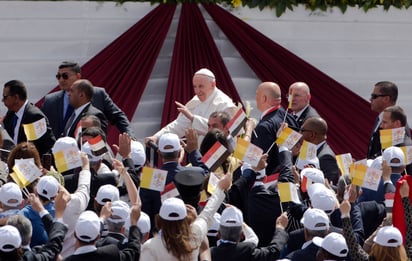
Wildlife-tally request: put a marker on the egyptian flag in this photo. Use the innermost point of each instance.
(98, 146)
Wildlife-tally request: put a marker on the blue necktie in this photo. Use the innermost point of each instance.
(15, 119)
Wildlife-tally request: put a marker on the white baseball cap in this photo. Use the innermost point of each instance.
(173, 209)
(9, 238)
(231, 217)
(301, 163)
(107, 193)
(388, 236)
(120, 212)
(64, 143)
(205, 72)
(315, 219)
(143, 223)
(391, 153)
(169, 142)
(138, 153)
(48, 187)
(310, 176)
(333, 243)
(324, 199)
(377, 163)
(10, 194)
(87, 226)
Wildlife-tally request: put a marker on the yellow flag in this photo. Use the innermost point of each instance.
(19, 179)
(154, 179)
(288, 192)
(290, 98)
(407, 151)
(247, 152)
(35, 130)
(288, 138)
(307, 151)
(391, 137)
(344, 161)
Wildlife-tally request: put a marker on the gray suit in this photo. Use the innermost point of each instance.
(53, 109)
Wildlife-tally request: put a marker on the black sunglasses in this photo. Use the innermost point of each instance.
(65, 76)
(374, 96)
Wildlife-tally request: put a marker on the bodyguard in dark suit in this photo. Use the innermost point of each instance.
(383, 96)
(268, 99)
(58, 110)
(80, 95)
(301, 110)
(20, 112)
(314, 130)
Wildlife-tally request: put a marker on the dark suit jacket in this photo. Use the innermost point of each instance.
(54, 245)
(248, 251)
(328, 164)
(88, 110)
(112, 253)
(307, 254)
(30, 115)
(53, 108)
(266, 135)
(306, 114)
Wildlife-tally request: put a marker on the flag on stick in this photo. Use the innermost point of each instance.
(25, 172)
(344, 161)
(154, 179)
(98, 145)
(170, 191)
(237, 122)
(247, 152)
(407, 151)
(68, 158)
(391, 137)
(35, 130)
(288, 138)
(288, 192)
(215, 156)
(366, 177)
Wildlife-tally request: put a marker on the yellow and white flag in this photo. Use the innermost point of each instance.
(288, 138)
(67, 159)
(247, 152)
(407, 151)
(391, 137)
(307, 151)
(366, 177)
(25, 172)
(212, 184)
(154, 179)
(237, 122)
(288, 192)
(344, 161)
(215, 156)
(35, 130)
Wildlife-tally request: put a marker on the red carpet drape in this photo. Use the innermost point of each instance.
(349, 117)
(194, 49)
(124, 67)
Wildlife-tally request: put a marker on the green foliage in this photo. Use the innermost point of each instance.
(280, 6)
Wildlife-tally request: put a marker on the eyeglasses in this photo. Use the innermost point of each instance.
(65, 76)
(375, 96)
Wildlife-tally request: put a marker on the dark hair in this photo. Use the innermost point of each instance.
(397, 114)
(388, 88)
(224, 117)
(95, 120)
(86, 87)
(15, 255)
(17, 87)
(73, 66)
(170, 155)
(94, 132)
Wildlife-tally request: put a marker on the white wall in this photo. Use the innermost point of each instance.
(355, 48)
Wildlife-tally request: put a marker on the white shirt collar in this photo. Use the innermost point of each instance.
(80, 109)
(301, 111)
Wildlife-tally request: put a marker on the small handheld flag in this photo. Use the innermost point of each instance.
(35, 130)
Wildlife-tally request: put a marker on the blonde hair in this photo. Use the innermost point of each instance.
(384, 253)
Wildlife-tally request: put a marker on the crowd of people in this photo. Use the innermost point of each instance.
(221, 211)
